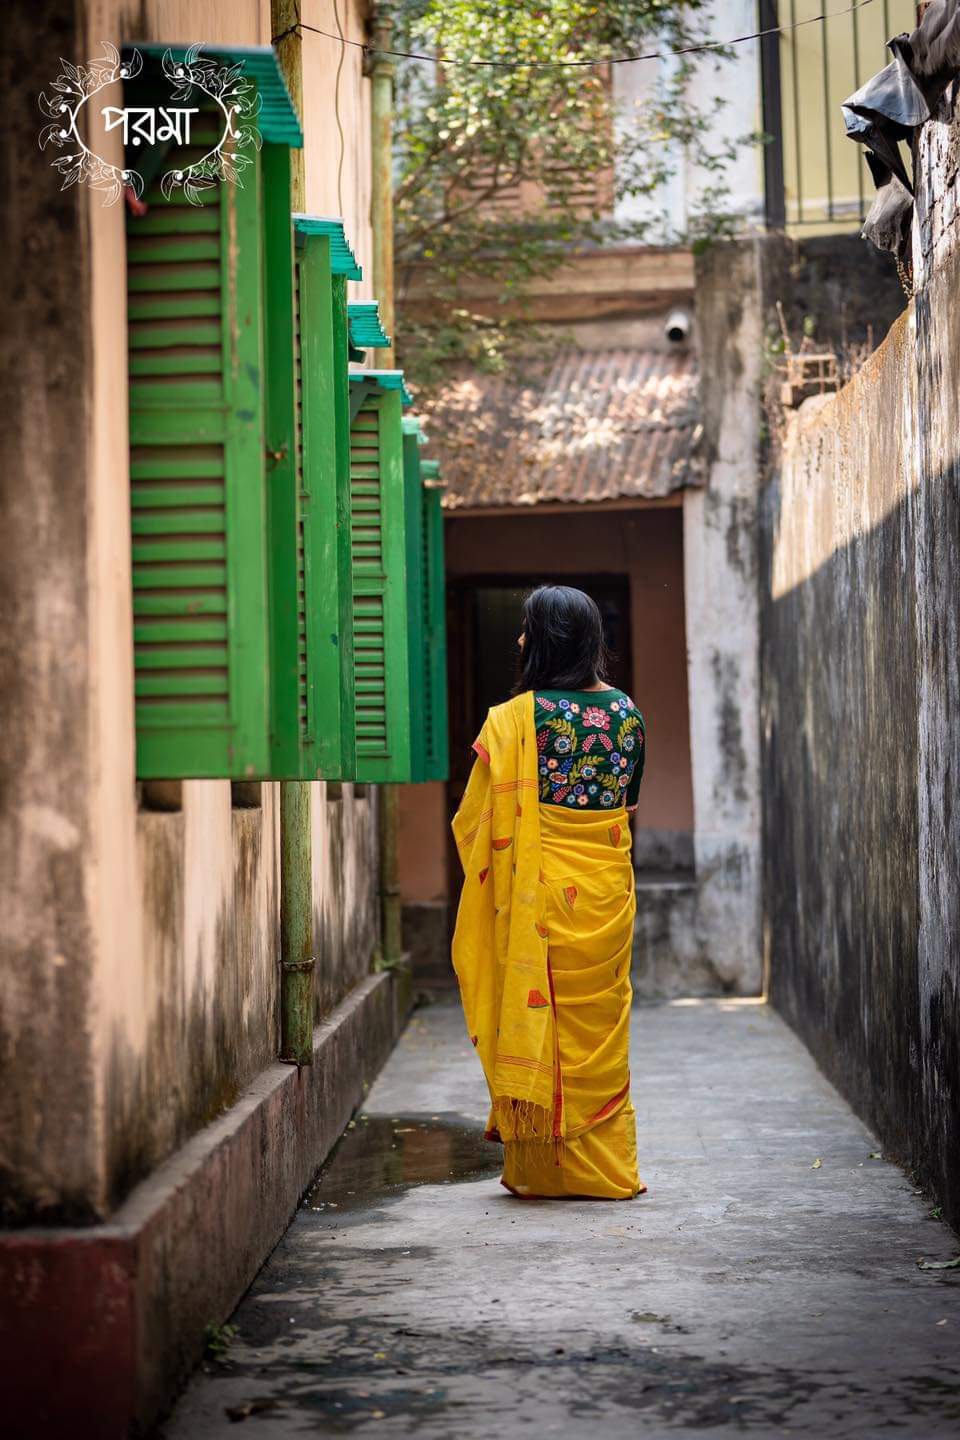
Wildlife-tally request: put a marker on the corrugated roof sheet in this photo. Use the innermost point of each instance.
(591, 425)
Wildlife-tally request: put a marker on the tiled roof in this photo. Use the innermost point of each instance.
(591, 425)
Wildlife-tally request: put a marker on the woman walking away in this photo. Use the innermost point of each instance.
(544, 932)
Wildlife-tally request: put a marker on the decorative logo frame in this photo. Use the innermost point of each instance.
(77, 85)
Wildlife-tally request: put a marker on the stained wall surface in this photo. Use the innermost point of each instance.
(138, 987)
(861, 746)
(722, 603)
(49, 1153)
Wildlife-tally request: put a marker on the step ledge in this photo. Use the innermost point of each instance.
(124, 1305)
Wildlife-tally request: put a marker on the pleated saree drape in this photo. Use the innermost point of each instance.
(542, 952)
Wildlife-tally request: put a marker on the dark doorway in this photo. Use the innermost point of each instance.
(483, 622)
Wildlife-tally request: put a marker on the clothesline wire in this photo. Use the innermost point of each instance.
(336, 106)
(822, 18)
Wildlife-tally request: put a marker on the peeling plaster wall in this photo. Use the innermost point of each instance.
(861, 751)
(138, 976)
(722, 607)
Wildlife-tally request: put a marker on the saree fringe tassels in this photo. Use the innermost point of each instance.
(542, 952)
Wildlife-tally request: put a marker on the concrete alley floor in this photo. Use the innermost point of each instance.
(752, 1291)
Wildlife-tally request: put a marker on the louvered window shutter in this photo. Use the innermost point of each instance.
(342, 521)
(437, 762)
(324, 699)
(379, 586)
(416, 597)
(197, 433)
(288, 686)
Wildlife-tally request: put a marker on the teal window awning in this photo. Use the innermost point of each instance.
(342, 259)
(366, 327)
(278, 121)
(383, 380)
(430, 470)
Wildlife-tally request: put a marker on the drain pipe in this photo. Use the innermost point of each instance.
(296, 835)
(381, 219)
(296, 923)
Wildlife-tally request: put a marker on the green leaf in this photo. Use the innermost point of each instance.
(564, 727)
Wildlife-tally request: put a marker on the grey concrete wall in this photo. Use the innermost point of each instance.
(720, 562)
(706, 938)
(861, 745)
(936, 233)
(838, 289)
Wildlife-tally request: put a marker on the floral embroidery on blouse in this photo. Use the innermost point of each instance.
(591, 750)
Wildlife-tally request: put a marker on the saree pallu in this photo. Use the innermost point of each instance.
(542, 952)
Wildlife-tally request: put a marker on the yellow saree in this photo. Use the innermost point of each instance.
(542, 950)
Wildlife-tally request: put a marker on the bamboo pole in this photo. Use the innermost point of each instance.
(297, 961)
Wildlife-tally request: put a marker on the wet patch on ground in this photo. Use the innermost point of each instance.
(380, 1157)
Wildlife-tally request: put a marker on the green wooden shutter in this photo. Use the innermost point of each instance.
(416, 596)
(197, 494)
(324, 613)
(340, 523)
(437, 747)
(283, 466)
(323, 560)
(378, 550)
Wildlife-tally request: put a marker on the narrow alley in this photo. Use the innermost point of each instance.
(768, 1283)
(480, 486)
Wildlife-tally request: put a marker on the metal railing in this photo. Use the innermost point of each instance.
(813, 176)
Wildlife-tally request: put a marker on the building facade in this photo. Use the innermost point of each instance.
(161, 674)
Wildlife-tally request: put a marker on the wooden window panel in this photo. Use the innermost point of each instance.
(379, 590)
(201, 650)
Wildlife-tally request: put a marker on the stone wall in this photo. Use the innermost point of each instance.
(861, 745)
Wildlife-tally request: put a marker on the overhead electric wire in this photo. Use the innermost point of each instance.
(336, 104)
(822, 18)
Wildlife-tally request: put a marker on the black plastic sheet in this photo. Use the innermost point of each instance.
(892, 106)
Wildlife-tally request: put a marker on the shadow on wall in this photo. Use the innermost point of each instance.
(861, 888)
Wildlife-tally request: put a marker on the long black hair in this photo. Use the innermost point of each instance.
(563, 646)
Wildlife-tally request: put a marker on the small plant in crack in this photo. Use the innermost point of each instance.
(217, 1340)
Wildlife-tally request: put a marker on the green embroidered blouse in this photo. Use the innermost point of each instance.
(592, 745)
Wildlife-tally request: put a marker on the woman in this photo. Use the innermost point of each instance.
(544, 932)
